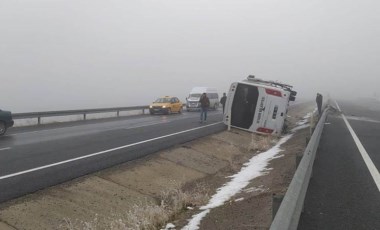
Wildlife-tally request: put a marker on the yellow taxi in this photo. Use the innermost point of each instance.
(166, 105)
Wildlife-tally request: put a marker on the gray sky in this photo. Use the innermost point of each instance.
(71, 54)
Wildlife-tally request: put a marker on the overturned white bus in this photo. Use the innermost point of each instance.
(258, 106)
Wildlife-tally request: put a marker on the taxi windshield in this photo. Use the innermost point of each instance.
(162, 100)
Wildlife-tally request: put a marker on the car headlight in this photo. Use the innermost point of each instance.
(150, 106)
(164, 106)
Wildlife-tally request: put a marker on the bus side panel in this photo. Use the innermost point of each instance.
(277, 107)
(282, 112)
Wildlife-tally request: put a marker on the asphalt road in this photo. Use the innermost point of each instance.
(36, 157)
(344, 192)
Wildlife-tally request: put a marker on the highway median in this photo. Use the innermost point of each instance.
(168, 187)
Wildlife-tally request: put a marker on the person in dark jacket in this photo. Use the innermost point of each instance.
(205, 104)
(223, 100)
(319, 100)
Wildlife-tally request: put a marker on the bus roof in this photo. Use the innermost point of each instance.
(251, 80)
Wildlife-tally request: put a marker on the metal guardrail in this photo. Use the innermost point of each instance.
(83, 112)
(289, 212)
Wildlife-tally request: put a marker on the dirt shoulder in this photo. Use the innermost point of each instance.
(167, 186)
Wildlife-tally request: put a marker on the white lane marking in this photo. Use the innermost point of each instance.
(370, 165)
(102, 152)
(338, 106)
(362, 119)
(7, 148)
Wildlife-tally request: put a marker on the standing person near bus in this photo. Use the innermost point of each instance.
(319, 100)
(223, 101)
(205, 104)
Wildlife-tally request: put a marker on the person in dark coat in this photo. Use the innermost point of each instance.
(205, 104)
(223, 100)
(319, 100)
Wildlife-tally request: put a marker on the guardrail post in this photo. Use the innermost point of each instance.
(84, 116)
(313, 123)
(118, 113)
(39, 120)
(298, 159)
(143, 111)
(276, 202)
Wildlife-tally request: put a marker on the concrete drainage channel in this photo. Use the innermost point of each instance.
(289, 212)
(135, 191)
(169, 184)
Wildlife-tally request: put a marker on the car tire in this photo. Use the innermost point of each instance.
(180, 110)
(215, 106)
(169, 111)
(151, 112)
(3, 128)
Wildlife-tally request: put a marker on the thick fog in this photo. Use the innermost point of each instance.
(72, 54)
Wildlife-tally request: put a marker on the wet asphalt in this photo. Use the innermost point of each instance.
(33, 158)
(342, 194)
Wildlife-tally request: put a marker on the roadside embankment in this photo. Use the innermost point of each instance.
(168, 186)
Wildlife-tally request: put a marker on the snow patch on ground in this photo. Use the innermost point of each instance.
(304, 126)
(259, 189)
(305, 119)
(256, 167)
(169, 226)
(194, 223)
(303, 123)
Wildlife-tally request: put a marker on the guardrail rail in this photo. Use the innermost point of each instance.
(83, 112)
(289, 212)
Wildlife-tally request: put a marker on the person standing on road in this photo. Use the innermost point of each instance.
(319, 100)
(205, 104)
(223, 100)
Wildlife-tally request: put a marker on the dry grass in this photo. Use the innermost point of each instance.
(177, 200)
(261, 143)
(146, 215)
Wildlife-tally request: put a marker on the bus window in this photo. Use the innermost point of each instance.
(244, 105)
(275, 110)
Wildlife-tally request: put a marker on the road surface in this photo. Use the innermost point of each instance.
(344, 192)
(36, 157)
